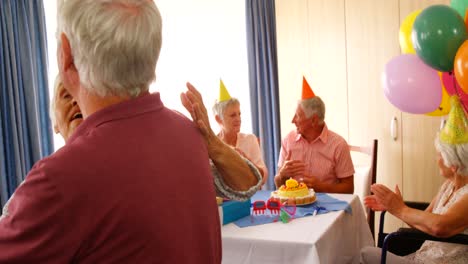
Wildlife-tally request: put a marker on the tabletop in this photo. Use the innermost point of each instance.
(334, 237)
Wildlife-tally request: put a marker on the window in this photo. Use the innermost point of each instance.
(202, 42)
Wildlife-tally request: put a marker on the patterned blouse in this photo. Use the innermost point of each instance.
(223, 190)
(439, 252)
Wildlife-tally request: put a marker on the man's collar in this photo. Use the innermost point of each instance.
(322, 137)
(145, 103)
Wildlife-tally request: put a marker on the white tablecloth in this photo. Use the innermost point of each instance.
(334, 237)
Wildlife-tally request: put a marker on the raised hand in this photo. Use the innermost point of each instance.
(234, 171)
(391, 201)
(193, 102)
(372, 203)
(310, 181)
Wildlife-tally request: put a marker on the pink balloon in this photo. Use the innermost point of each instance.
(410, 85)
(448, 78)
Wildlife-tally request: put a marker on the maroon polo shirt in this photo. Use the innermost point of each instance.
(132, 185)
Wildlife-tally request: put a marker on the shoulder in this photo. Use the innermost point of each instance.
(172, 119)
(175, 121)
(177, 115)
(291, 136)
(445, 185)
(75, 164)
(464, 190)
(39, 184)
(336, 137)
(336, 141)
(39, 172)
(247, 137)
(59, 166)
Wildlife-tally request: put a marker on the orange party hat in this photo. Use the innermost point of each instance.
(307, 92)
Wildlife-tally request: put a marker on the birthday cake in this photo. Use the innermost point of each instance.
(294, 192)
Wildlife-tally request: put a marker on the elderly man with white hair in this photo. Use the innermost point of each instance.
(133, 183)
(312, 153)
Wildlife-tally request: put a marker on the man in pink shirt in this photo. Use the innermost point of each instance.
(314, 154)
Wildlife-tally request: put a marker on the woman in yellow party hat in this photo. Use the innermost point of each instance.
(446, 215)
(228, 115)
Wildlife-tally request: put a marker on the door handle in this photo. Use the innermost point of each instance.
(394, 128)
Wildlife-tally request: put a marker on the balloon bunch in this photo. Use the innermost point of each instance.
(434, 63)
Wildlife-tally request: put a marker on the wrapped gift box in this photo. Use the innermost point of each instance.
(230, 211)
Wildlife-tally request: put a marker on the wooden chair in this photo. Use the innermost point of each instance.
(365, 174)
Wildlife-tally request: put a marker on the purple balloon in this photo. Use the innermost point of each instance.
(410, 85)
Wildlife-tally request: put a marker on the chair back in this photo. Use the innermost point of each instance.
(365, 167)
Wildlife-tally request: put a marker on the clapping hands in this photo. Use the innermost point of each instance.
(292, 168)
(383, 199)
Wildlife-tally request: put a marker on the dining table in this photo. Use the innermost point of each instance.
(327, 237)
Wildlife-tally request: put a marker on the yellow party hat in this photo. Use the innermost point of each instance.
(455, 130)
(223, 92)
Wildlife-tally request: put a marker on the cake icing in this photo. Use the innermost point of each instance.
(294, 192)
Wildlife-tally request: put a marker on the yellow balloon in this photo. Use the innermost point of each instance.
(406, 27)
(444, 107)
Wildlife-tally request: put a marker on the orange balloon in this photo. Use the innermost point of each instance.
(460, 66)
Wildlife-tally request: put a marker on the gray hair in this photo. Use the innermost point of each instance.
(115, 43)
(220, 107)
(57, 83)
(313, 106)
(454, 155)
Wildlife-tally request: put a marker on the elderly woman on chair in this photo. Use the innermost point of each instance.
(446, 215)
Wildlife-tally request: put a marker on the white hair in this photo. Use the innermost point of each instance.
(220, 107)
(454, 155)
(313, 106)
(115, 44)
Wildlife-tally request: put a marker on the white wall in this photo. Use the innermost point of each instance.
(203, 41)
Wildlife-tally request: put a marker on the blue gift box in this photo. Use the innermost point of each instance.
(230, 211)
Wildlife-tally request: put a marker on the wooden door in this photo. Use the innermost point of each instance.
(311, 42)
(371, 41)
(421, 178)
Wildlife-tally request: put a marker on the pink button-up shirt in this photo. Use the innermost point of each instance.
(327, 157)
(248, 143)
